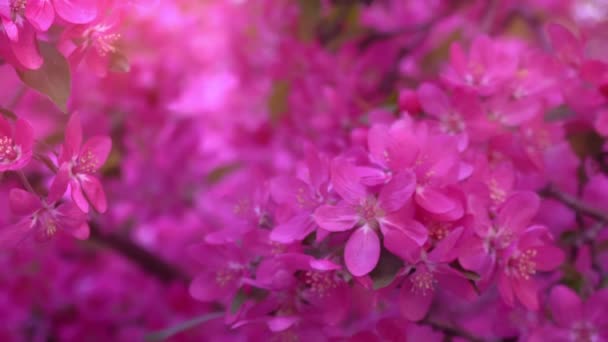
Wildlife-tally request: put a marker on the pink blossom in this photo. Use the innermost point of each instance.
(15, 144)
(369, 215)
(42, 221)
(78, 164)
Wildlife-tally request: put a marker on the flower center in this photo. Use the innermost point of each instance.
(423, 282)
(523, 265)
(224, 276)
(17, 9)
(583, 332)
(319, 283)
(8, 151)
(369, 212)
(86, 163)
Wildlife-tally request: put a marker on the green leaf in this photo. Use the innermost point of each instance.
(238, 301)
(53, 78)
(221, 172)
(559, 113)
(165, 334)
(386, 271)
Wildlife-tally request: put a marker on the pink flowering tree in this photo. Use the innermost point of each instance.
(313, 170)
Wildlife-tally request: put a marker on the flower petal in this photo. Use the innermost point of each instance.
(346, 181)
(397, 192)
(434, 201)
(338, 218)
(95, 151)
(362, 251)
(94, 192)
(565, 305)
(40, 14)
(23, 203)
(76, 11)
(414, 305)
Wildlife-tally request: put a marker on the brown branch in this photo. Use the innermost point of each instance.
(451, 331)
(574, 203)
(143, 258)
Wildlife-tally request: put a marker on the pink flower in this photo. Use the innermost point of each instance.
(15, 145)
(78, 164)
(369, 214)
(433, 273)
(488, 66)
(302, 196)
(481, 250)
(42, 220)
(533, 252)
(224, 270)
(93, 44)
(19, 19)
(431, 156)
(575, 320)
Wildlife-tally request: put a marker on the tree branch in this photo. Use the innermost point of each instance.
(452, 331)
(148, 261)
(574, 203)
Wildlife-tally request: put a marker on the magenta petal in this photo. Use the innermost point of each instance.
(5, 127)
(434, 201)
(517, 212)
(548, 258)
(60, 183)
(412, 229)
(565, 305)
(94, 192)
(457, 285)
(297, 228)
(73, 138)
(13, 235)
(414, 305)
(99, 149)
(82, 232)
(24, 135)
(78, 196)
(377, 137)
(445, 251)
(23, 203)
(76, 11)
(433, 100)
(526, 292)
(345, 179)
(26, 50)
(205, 288)
(338, 218)
(277, 324)
(40, 14)
(397, 192)
(506, 290)
(362, 251)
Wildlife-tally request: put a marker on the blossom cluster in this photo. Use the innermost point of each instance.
(278, 170)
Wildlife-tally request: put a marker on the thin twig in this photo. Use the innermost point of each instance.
(148, 261)
(452, 331)
(574, 203)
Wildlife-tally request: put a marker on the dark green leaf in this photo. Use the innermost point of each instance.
(220, 172)
(386, 271)
(53, 78)
(165, 334)
(238, 301)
